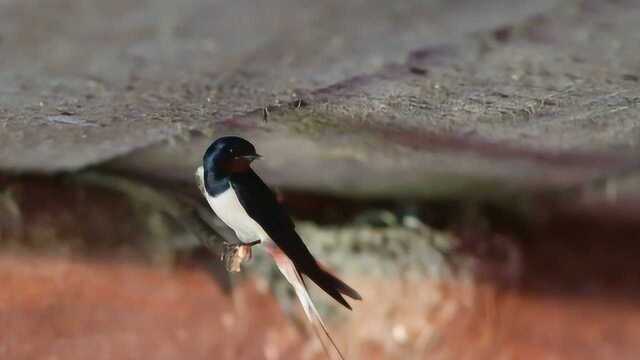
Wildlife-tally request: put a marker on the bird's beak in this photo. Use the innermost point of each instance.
(251, 157)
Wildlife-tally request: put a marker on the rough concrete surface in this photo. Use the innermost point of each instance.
(530, 91)
(534, 92)
(138, 72)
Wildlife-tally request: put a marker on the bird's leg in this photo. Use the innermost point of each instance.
(250, 246)
(235, 254)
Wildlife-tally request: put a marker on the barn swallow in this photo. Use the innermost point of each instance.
(248, 206)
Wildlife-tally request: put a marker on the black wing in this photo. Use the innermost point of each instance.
(261, 204)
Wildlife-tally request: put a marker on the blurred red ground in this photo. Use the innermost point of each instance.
(56, 308)
(73, 292)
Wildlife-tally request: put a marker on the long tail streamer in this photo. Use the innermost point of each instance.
(288, 269)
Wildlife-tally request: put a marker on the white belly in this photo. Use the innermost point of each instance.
(229, 209)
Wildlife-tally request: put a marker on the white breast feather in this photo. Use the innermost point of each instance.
(228, 208)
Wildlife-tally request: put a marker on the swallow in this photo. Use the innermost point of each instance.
(247, 205)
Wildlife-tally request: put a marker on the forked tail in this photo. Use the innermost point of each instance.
(288, 269)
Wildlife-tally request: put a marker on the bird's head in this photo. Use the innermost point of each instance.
(229, 154)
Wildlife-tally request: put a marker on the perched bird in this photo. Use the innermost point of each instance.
(246, 204)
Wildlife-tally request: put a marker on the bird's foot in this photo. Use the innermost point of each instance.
(235, 254)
